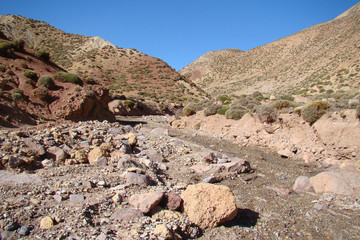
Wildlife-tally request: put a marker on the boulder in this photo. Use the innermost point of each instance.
(172, 201)
(302, 184)
(145, 202)
(209, 205)
(344, 182)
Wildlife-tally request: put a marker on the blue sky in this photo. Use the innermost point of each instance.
(179, 31)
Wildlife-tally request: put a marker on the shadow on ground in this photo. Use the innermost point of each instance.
(244, 218)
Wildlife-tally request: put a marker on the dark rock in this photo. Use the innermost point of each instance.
(34, 146)
(12, 226)
(24, 231)
(172, 201)
(139, 179)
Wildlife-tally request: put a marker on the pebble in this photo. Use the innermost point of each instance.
(46, 223)
(24, 231)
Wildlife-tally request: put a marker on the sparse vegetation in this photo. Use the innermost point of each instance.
(6, 50)
(280, 104)
(17, 94)
(43, 55)
(211, 110)
(2, 68)
(266, 114)
(313, 111)
(189, 109)
(235, 113)
(46, 81)
(42, 93)
(223, 109)
(30, 74)
(129, 103)
(18, 45)
(67, 77)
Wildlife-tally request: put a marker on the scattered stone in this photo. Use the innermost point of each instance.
(76, 198)
(57, 154)
(46, 223)
(160, 132)
(302, 184)
(48, 163)
(172, 201)
(58, 198)
(80, 156)
(236, 165)
(139, 179)
(34, 146)
(280, 191)
(154, 155)
(146, 201)
(163, 232)
(126, 215)
(95, 154)
(117, 199)
(209, 205)
(211, 179)
(24, 231)
(132, 139)
(285, 153)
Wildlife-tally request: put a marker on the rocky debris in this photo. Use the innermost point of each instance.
(34, 146)
(339, 181)
(163, 232)
(46, 223)
(127, 215)
(302, 184)
(172, 201)
(209, 205)
(145, 202)
(57, 154)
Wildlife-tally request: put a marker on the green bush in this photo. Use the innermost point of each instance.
(43, 55)
(6, 50)
(266, 114)
(211, 110)
(313, 111)
(30, 74)
(223, 109)
(67, 77)
(287, 97)
(16, 96)
(235, 113)
(46, 81)
(189, 110)
(280, 104)
(129, 103)
(223, 98)
(18, 45)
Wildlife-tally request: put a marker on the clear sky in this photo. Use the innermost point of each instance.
(179, 31)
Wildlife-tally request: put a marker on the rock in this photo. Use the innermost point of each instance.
(209, 158)
(146, 201)
(132, 139)
(139, 179)
(34, 146)
(126, 162)
(15, 162)
(80, 156)
(302, 184)
(12, 226)
(46, 223)
(96, 154)
(285, 153)
(280, 191)
(76, 198)
(172, 201)
(101, 162)
(126, 215)
(160, 132)
(209, 205)
(58, 198)
(166, 214)
(117, 199)
(24, 231)
(154, 155)
(125, 149)
(163, 232)
(47, 163)
(211, 179)
(199, 168)
(236, 165)
(57, 154)
(337, 181)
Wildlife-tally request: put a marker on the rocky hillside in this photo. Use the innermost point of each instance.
(125, 72)
(34, 90)
(323, 58)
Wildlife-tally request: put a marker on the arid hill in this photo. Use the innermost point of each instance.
(125, 72)
(321, 58)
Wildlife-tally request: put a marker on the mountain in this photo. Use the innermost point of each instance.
(322, 58)
(125, 72)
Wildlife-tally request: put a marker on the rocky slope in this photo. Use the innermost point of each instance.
(125, 72)
(30, 93)
(318, 59)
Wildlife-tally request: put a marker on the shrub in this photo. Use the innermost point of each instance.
(30, 74)
(235, 113)
(67, 77)
(129, 103)
(280, 104)
(189, 110)
(313, 111)
(42, 93)
(2, 68)
(223, 109)
(211, 110)
(43, 55)
(18, 45)
(46, 81)
(10, 73)
(223, 98)
(24, 65)
(6, 50)
(266, 114)
(16, 96)
(287, 97)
